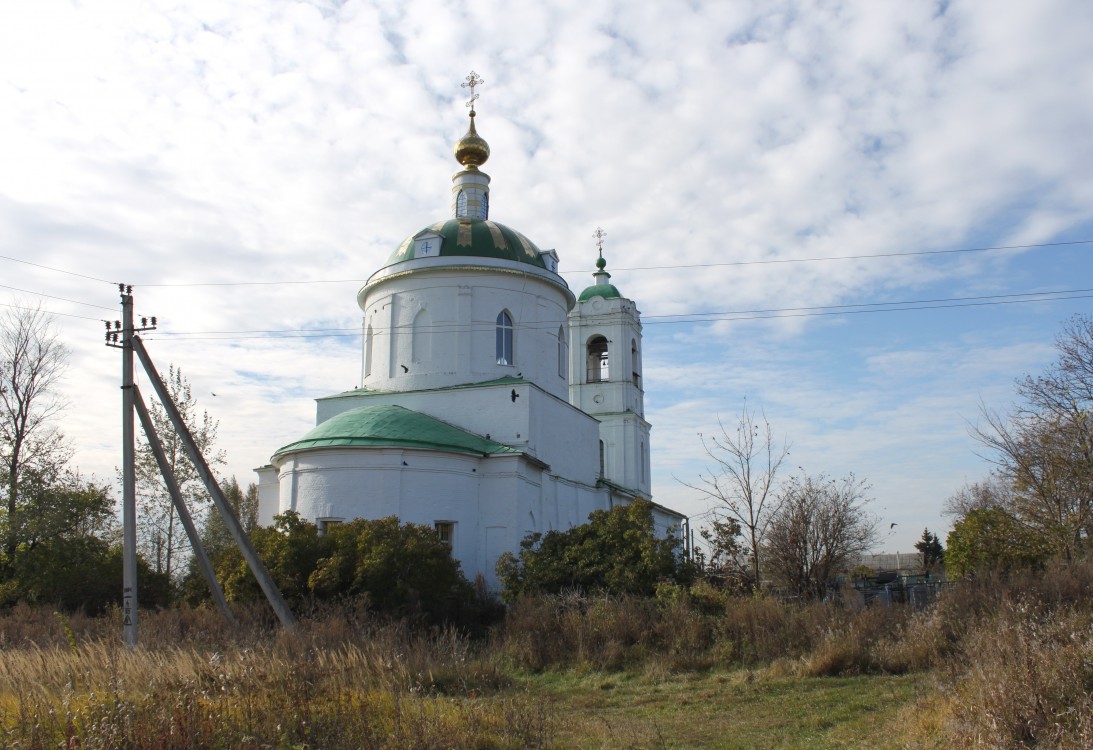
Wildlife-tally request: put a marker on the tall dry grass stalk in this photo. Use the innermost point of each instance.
(1029, 682)
(1013, 657)
(331, 685)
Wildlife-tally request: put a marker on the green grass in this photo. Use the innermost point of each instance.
(728, 710)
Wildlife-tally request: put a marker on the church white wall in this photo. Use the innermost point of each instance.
(268, 495)
(436, 327)
(626, 439)
(548, 428)
(494, 502)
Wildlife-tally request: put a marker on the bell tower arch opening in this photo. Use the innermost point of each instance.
(598, 360)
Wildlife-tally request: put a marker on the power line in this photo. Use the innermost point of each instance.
(938, 301)
(50, 296)
(50, 312)
(852, 257)
(56, 270)
(881, 310)
(679, 318)
(769, 261)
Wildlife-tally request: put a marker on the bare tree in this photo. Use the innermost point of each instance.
(991, 492)
(162, 537)
(32, 361)
(821, 525)
(740, 483)
(1047, 466)
(1043, 449)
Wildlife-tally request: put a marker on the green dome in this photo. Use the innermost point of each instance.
(474, 238)
(387, 426)
(607, 291)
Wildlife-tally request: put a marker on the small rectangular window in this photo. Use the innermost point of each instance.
(445, 531)
(326, 524)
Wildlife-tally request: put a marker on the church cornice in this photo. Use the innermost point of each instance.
(482, 265)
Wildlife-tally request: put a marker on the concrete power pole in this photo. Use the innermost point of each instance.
(129, 477)
(120, 336)
(123, 335)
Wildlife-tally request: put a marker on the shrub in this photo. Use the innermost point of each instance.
(398, 570)
(617, 552)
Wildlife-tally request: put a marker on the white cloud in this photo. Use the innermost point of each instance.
(165, 142)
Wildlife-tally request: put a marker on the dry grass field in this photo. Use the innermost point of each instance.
(994, 664)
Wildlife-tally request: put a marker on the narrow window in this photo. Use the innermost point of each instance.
(601, 458)
(421, 337)
(486, 205)
(597, 360)
(445, 531)
(504, 339)
(563, 359)
(634, 362)
(324, 525)
(641, 458)
(461, 204)
(368, 352)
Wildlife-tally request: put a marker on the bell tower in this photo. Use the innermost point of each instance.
(605, 377)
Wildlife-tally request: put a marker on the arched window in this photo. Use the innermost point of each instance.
(597, 360)
(461, 204)
(368, 352)
(421, 337)
(486, 205)
(504, 338)
(563, 354)
(634, 362)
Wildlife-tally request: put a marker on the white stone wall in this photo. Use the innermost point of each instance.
(546, 427)
(618, 403)
(493, 502)
(455, 308)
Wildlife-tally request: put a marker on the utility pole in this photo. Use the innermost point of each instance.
(121, 337)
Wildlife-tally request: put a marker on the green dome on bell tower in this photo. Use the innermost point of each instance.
(603, 286)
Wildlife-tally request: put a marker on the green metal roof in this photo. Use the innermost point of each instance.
(475, 238)
(393, 426)
(607, 291)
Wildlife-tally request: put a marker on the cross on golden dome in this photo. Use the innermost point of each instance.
(471, 81)
(471, 150)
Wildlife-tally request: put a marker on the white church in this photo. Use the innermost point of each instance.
(493, 401)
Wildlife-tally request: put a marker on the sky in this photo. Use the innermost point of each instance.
(863, 219)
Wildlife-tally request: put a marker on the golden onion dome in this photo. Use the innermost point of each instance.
(471, 150)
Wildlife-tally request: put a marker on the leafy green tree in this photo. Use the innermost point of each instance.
(216, 538)
(32, 362)
(214, 533)
(989, 539)
(933, 554)
(64, 555)
(403, 569)
(725, 559)
(81, 573)
(616, 551)
(291, 550)
(398, 569)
